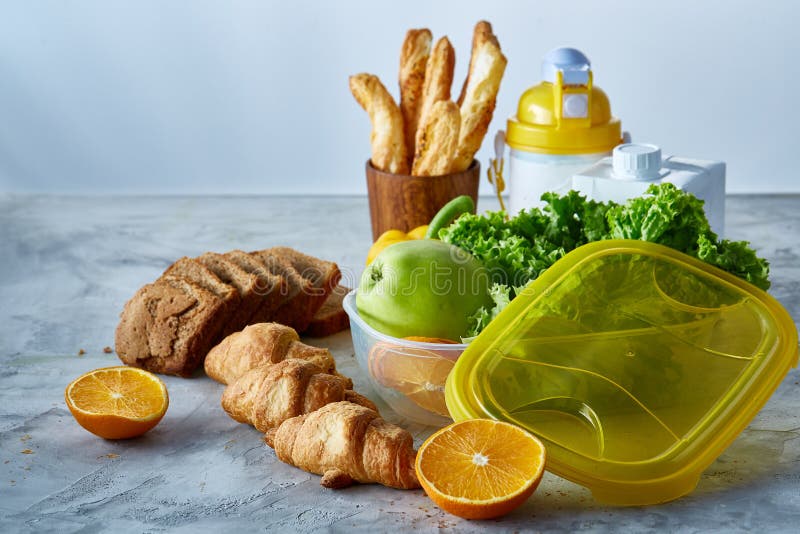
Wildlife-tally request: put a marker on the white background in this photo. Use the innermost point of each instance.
(238, 97)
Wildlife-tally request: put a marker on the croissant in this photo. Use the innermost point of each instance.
(345, 443)
(268, 395)
(259, 344)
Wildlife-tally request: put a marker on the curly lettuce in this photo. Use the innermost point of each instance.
(519, 249)
(501, 297)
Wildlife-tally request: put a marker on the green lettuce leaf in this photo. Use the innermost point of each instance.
(665, 215)
(737, 258)
(518, 250)
(501, 295)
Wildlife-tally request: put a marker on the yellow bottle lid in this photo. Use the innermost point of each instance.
(635, 364)
(565, 113)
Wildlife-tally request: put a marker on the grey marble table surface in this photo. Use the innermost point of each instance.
(67, 266)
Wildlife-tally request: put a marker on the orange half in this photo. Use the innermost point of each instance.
(418, 373)
(480, 468)
(117, 402)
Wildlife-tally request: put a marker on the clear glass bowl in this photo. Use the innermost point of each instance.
(409, 375)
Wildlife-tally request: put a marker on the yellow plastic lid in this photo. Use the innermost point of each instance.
(565, 114)
(635, 364)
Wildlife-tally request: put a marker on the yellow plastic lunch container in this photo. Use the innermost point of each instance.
(635, 364)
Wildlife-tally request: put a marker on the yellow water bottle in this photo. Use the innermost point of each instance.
(563, 125)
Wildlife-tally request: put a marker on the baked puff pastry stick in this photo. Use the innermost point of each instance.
(259, 344)
(437, 140)
(347, 443)
(438, 79)
(268, 395)
(481, 32)
(479, 96)
(389, 152)
(413, 60)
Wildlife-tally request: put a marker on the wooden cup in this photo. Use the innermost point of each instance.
(402, 202)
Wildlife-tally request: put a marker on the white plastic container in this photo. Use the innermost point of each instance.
(634, 167)
(563, 125)
(532, 174)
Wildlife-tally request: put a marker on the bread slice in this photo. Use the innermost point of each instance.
(194, 271)
(294, 307)
(280, 294)
(331, 317)
(321, 275)
(169, 326)
(253, 287)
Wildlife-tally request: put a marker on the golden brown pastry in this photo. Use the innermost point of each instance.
(347, 443)
(481, 32)
(258, 344)
(437, 140)
(479, 95)
(270, 394)
(413, 59)
(438, 80)
(389, 152)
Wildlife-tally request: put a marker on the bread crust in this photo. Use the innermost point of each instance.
(413, 60)
(479, 96)
(438, 80)
(389, 152)
(438, 140)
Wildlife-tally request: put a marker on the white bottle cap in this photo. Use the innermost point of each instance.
(572, 63)
(633, 161)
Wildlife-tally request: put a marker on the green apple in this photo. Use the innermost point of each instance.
(423, 287)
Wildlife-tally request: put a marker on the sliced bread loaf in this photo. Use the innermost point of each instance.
(194, 271)
(331, 317)
(292, 310)
(287, 284)
(169, 326)
(253, 287)
(322, 275)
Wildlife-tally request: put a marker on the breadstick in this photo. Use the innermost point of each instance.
(388, 144)
(480, 95)
(437, 140)
(438, 79)
(413, 59)
(481, 33)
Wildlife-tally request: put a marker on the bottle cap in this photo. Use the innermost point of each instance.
(572, 63)
(633, 161)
